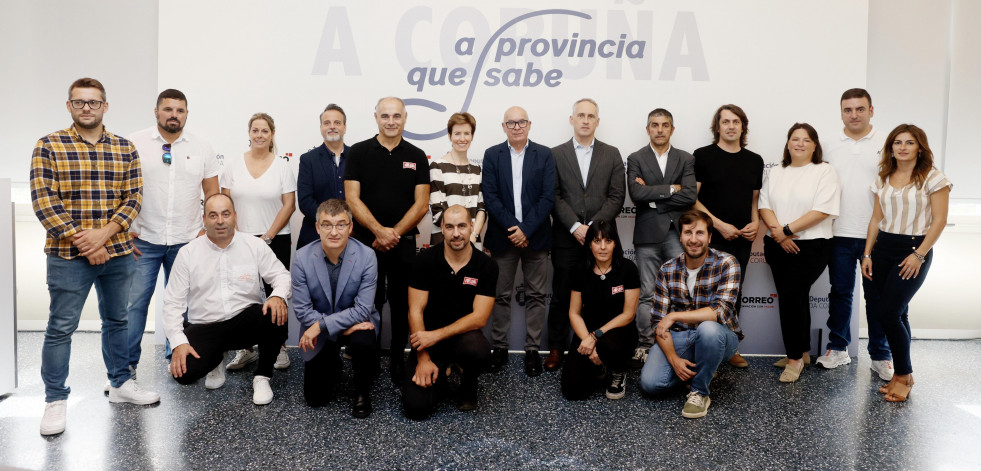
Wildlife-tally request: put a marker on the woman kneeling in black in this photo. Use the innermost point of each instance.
(604, 299)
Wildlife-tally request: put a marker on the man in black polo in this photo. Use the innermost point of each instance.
(386, 184)
(451, 296)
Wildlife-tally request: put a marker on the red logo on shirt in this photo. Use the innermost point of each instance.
(617, 289)
(411, 165)
(469, 281)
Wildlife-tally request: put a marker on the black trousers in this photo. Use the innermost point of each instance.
(393, 285)
(248, 328)
(741, 249)
(580, 376)
(322, 373)
(793, 275)
(280, 246)
(566, 261)
(470, 350)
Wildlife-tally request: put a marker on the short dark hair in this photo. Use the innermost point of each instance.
(459, 119)
(660, 112)
(692, 216)
(811, 133)
(333, 207)
(718, 117)
(220, 194)
(856, 93)
(87, 82)
(173, 94)
(332, 107)
(608, 230)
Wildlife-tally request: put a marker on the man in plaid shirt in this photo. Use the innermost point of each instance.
(694, 311)
(86, 189)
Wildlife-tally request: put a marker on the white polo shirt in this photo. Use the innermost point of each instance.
(857, 166)
(171, 212)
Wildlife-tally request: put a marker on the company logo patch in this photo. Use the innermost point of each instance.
(411, 165)
(469, 281)
(617, 289)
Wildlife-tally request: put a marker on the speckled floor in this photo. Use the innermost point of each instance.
(831, 419)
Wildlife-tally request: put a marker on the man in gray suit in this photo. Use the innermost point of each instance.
(661, 181)
(589, 187)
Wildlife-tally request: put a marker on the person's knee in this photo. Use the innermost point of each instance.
(656, 379)
(711, 332)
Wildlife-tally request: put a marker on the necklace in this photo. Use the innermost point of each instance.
(603, 275)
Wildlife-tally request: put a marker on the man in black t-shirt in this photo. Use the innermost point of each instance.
(451, 295)
(386, 184)
(729, 179)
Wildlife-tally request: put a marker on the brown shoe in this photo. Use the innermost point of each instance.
(553, 360)
(738, 361)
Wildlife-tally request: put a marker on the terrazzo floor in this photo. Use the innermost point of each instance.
(830, 419)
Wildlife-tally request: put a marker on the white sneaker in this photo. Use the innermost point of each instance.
(132, 393)
(834, 358)
(883, 368)
(261, 392)
(283, 359)
(132, 375)
(242, 358)
(53, 421)
(216, 377)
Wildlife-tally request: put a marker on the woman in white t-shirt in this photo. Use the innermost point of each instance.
(910, 212)
(264, 190)
(797, 203)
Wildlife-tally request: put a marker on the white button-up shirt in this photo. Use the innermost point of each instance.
(214, 284)
(517, 171)
(584, 154)
(171, 212)
(662, 162)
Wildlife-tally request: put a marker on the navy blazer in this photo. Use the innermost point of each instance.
(537, 196)
(317, 181)
(313, 300)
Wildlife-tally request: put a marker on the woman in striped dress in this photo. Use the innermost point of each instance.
(456, 180)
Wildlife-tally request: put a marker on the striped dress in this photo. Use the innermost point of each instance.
(452, 184)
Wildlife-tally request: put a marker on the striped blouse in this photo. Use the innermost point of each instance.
(452, 184)
(907, 210)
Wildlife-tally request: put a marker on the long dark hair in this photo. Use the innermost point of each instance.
(605, 230)
(924, 159)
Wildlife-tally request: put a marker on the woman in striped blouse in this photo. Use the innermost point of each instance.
(455, 180)
(910, 212)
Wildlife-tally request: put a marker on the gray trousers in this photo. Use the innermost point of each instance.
(649, 258)
(534, 266)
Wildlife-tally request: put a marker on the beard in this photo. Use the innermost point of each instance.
(333, 138)
(171, 126)
(93, 125)
(696, 253)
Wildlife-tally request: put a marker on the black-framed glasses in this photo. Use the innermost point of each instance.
(167, 158)
(79, 104)
(341, 227)
(521, 124)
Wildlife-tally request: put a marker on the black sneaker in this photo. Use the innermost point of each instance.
(639, 358)
(617, 388)
(499, 358)
(533, 363)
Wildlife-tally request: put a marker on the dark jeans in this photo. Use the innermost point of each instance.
(793, 275)
(470, 350)
(741, 249)
(322, 372)
(248, 328)
(846, 255)
(895, 292)
(393, 285)
(566, 261)
(580, 376)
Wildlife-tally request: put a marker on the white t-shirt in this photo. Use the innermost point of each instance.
(258, 200)
(857, 166)
(171, 210)
(790, 192)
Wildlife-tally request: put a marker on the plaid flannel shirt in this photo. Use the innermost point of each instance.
(716, 287)
(76, 186)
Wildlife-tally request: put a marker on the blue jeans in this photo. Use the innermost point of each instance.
(893, 309)
(649, 259)
(69, 283)
(144, 282)
(707, 346)
(846, 254)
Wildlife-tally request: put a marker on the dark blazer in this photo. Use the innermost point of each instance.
(313, 300)
(537, 196)
(652, 224)
(600, 199)
(317, 181)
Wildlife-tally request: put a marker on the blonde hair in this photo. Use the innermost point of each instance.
(272, 127)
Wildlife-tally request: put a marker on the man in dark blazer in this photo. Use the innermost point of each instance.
(321, 175)
(519, 190)
(590, 186)
(333, 285)
(661, 182)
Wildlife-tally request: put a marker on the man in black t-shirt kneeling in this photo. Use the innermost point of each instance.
(451, 295)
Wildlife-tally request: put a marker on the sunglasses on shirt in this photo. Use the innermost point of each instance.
(167, 158)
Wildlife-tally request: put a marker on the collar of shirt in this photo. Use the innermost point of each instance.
(581, 148)
(523, 149)
(340, 260)
(75, 135)
(379, 144)
(660, 156)
(214, 246)
(158, 137)
(844, 137)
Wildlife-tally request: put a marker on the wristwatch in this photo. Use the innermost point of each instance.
(266, 239)
(598, 333)
(787, 231)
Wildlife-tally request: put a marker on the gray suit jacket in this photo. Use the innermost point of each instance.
(652, 224)
(600, 198)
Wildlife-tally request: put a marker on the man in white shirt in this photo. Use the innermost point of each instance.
(855, 155)
(217, 280)
(177, 167)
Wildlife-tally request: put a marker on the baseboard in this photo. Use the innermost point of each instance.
(936, 334)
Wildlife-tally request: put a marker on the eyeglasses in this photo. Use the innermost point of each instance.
(521, 124)
(167, 158)
(341, 227)
(93, 104)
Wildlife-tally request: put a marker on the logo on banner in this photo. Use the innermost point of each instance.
(628, 212)
(411, 165)
(617, 289)
(630, 254)
(469, 281)
(762, 302)
(819, 303)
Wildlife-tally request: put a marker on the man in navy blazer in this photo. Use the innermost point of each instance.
(519, 191)
(321, 175)
(334, 300)
(661, 183)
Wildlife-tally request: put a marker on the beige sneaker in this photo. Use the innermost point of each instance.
(790, 374)
(782, 363)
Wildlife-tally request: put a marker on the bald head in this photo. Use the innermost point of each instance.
(517, 126)
(456, 228)
(390, 116)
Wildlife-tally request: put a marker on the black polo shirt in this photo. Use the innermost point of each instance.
(388, 181)
(451, 294)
